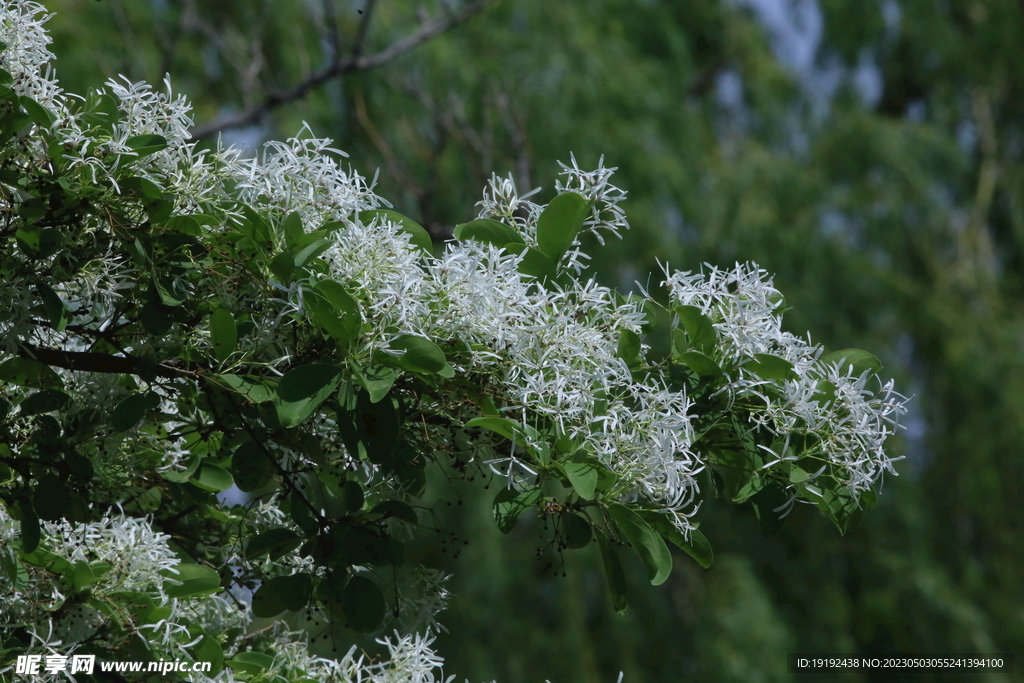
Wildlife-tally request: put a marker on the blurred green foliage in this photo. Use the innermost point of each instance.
(893, 216)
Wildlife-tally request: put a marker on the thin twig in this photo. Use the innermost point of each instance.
(345, 66)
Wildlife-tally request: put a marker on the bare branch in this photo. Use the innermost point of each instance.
(345, 66)
(87, 361)
(363, 31)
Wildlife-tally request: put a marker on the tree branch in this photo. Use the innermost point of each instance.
(87, 361)
(353, 63)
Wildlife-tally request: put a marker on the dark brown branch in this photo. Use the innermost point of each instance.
(351, 64)
(87, 361)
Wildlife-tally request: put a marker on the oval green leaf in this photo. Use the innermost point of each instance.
(767, 366)
(699, 329)
(302, 390)
(190, 580)
(274, 542)
(363, 605)
(647, 543)
(510, 505)
(534, 264)
(614, 573)
(559, 224)
(146, 144)
(45, 401)
(488, 231)
(696, 547)
(223, 333)
(421, 354)
(210, 477)
(251, 468)
(578, 531)
(582, 476)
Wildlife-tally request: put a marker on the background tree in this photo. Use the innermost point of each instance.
(888, 214)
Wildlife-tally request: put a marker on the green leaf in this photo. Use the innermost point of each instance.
(296, 590)
(699, 328)
(268, 600)
(629, 347)
(191, 580)
(377, 380)
(301, 391)
(534, 264)
(418, 236)
(767, 366)
(583, 477)
(699, 363)
(302, 515)
(282, 266)
(56, 311)
(648, 544)
(146, 144)
(209, 650)
(379, 426)
(578, 531)
(342, 328)
(143, 187)
(559, 224)
(45, 401)
(251, 468)
(155, 319)
(210, 477)
(186, 225)
(488, 231)
(40, 115)
(250, 663)
(697, 547)
(274, 543)
(338, 296)
(256, 229)
(223, 333)
(421, 354)
(614, 573)
(752, 483)
(29, 373)
(36, 242)
(309, 246)
(797, 475)
(396, 509)
(30, 530)
(133, 408)
(173, 291)
(293, 230)
(86, 574)
(510, 429)
(855, 359)
(253, 390)
(50, 498)
(352, 492)
(363, 605)
(510, 505)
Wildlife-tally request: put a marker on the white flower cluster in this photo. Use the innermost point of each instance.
(26, 57)
(123, 553)
(549, 354)
(850, 423)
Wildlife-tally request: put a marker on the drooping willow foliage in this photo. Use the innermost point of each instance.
(177, 322)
